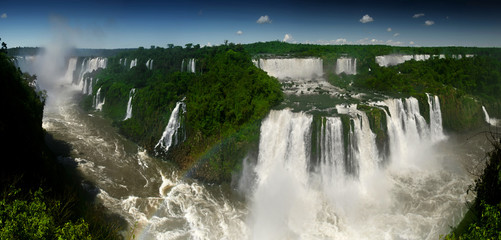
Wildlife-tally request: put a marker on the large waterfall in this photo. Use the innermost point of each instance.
(171, 135)
(343, 191)
(346, 65)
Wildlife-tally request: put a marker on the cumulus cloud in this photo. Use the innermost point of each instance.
(239, 32)
(264, 19)
(366, 18)
(396, 34)
(429, 22)
(287, 38)
(388, 30)
(4, 15)
(418, 15)
(411, 42)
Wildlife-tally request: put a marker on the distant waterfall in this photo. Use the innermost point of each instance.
(133, 63)
(129, 104)
(395, 59)
(190, 67)
(70, 71)
(346, 65)
(89, 65)
(294, 68)
(98, 104)
(149, 64)
(87, 85)
(171, 135)
(489, 120)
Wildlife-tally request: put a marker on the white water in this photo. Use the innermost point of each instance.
(98, 103)
(436, 128)
(89, 65)
(295, 68)
(128, 114)
(170, 134)
(414, 197)
(133, 63)
(489, 120)
(395, 59)
(298, 75)
(346, 65)
(149, 64)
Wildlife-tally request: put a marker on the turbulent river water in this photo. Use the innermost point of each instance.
(346, 191)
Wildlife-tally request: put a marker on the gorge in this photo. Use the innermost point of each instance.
(329, 162)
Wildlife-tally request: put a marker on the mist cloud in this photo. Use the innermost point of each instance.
(4, 15)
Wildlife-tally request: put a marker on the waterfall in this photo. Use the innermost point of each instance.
(170, 136)
(346, 65)
(149, 64)
(489, 120)
(281, 204)
(295, 68)
(133, 63)
(129, 104)
(89, 65)
(348, 193)
(98, 105)
(72, 66)
(87, 86)
(436, 129)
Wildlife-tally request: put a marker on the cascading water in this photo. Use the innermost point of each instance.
(149, 64)
(489, 120)
(128, 114)
(89, 65)
(436, 129)
(297, 75)
(133, 63)
(170, 136)
(98, 104)
(346, 65)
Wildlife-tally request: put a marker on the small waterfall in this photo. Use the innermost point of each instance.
(129, 104)
(170, 136)
(436, 129)
(98, 105)
(182, 66)
(149, 64)
(87, 86)
(489, 120)
(294, 68)
(331, 155)
(346, 65)
(133, 63)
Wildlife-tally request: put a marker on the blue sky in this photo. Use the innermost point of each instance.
(130, 24)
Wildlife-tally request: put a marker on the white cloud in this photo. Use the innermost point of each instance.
(4, 15)
(411, 42)
(366, 18)
(396, 34)
(287, 38)
(264, 19)
(388, 30)
(239, 32)
(363, 41)
(429, 22)
(418, 15)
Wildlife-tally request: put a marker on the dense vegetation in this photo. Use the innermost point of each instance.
(39, 199)
(225, 97)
